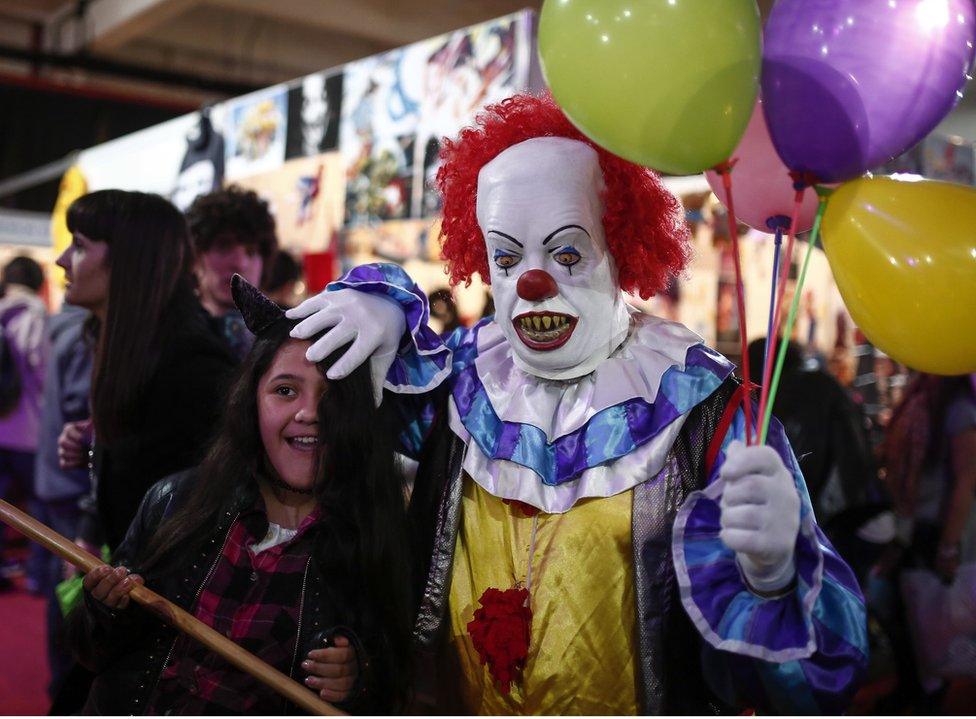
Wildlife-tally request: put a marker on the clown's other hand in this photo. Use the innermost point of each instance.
(760, 515)
(332, 671)
(374, 325)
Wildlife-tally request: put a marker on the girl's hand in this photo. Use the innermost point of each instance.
(332, 671)
(111, 586)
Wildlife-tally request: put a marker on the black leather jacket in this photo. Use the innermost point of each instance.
(129, 649)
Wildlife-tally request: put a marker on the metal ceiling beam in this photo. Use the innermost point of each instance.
(104, 25)
(125, 70)
(382, 21)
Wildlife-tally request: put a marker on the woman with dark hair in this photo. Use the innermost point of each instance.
(930, 461)
(929, 455)
(290, 538)
(159, 374)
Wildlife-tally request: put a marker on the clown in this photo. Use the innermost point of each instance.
(601, 541)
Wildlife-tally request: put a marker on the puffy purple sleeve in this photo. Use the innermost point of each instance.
(802, 651)
(424, 361)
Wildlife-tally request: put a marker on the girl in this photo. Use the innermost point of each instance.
(290, 539)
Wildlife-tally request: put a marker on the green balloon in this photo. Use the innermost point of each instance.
(669, 84)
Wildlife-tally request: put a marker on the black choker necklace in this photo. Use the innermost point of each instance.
(280, 484)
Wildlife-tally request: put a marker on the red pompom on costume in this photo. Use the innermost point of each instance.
(500, 633)
(644, 223)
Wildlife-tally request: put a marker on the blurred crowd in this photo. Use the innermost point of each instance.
(889, 455)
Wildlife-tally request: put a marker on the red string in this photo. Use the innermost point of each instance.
(725, 170)
(800, 182)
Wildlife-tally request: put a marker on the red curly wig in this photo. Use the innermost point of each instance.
(644, 223)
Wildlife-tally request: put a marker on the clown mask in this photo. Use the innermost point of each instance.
(557, 299)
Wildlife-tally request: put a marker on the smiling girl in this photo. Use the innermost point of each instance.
(290, 539)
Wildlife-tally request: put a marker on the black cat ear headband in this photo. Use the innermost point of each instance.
(259, 312)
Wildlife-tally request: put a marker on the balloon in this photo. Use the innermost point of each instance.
(849, 84)
(669, 84)
(904, 257)
(761, 184)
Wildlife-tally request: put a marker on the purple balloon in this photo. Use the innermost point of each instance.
(849, 84)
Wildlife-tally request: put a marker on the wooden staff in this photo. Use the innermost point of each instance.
(172, 615)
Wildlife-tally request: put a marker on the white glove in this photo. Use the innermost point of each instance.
(373, 324)
(760, 515)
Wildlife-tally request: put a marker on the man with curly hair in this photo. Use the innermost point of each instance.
(600, 540)
(233, 233)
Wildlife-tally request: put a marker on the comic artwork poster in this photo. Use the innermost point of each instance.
(314, 104)
(397, 106)
(412, 244)
(256, 126)
(202, 167)
(305, 197)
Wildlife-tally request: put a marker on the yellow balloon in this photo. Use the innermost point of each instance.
(903, 254)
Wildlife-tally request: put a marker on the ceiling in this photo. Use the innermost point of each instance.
(226, 46)
(186, 52)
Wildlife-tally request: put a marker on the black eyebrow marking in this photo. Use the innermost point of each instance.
(565, 227)
(508, 237)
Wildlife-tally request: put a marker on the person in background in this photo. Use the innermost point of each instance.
(930, 458)
(159, 373)
(284, 284)
(67, 384)
(443, 310)
(233, 232)
(290, 538)
(22, 320)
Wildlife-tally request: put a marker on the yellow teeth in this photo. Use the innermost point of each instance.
(544, 322)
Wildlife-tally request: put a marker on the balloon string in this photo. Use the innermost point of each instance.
(790, 321)
(785, 263)
(725, 170)
(770, 340)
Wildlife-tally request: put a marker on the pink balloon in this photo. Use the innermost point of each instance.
(761, 183)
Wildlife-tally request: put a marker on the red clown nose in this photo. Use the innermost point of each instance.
(536, 285)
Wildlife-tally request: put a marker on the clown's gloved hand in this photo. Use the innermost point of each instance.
(760, 515)
(373, 324)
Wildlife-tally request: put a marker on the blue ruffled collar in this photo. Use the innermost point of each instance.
(561, 430)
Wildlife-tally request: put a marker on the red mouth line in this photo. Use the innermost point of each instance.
(561, 339)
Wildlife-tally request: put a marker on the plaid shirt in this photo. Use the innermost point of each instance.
(254, 600)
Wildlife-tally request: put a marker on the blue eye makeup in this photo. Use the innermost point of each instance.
(567, 256)
(505, 260)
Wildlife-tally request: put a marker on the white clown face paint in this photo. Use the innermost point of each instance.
(557, 298)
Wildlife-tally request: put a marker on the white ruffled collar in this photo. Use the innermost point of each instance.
(558, 408)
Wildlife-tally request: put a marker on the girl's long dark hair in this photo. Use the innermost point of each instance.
(150, 262)
(362, 547)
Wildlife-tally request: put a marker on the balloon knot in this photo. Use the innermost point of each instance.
(802, 180)
(725, 168)
(778, 222)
